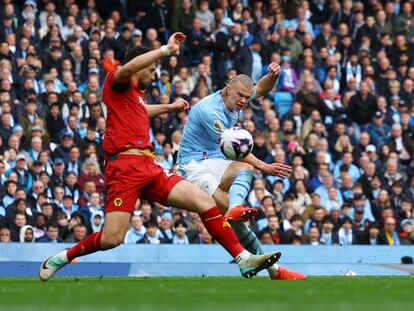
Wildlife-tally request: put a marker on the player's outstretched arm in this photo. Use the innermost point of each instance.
(125, 73)
(267, 82)
(275, 169)
(155, 110)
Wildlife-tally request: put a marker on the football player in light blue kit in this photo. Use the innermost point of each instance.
(201, 161)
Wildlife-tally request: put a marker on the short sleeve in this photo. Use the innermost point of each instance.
(117, 87)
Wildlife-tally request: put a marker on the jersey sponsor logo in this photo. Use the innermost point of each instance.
(218, 125)
(118, 202)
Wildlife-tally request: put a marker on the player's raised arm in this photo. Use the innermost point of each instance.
(267, 82)
(275, 169)
(155, 110)
(124, 74)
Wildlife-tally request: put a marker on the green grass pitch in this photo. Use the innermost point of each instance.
(208, 293)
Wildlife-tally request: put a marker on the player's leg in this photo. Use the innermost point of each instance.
(245, 235)
(114, 230)
(185, 195)
(123, 192)
(235, 178)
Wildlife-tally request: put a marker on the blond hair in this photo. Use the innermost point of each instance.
(243, 79)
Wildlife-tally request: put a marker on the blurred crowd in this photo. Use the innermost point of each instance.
(345, 126)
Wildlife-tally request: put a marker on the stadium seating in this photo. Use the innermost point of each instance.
(283, 101)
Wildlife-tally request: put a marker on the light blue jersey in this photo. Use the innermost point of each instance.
(207, 119)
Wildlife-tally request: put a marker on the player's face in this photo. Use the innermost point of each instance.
(239, 97)
(146, 76)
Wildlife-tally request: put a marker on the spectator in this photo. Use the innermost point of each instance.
(345, 233)
(407, 232)
(180, 236)
(27, 234)
(183, 17)
(314, 236)
(51, 236)
(91, 172)
(389, 235)
(137, 230)
(152, 235)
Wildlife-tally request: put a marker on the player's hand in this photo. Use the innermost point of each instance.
(174, 41)
(179, 105)
(278, 169)
(274, 69)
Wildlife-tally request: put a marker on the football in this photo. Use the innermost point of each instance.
(236, 143)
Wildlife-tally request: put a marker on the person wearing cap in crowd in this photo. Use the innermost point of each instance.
(378, 130)
(63, 150)
(24, 176)
(407, 232)
(136, 38)
(57, 178)
(164, 84)
(68, 207)
(38, 131)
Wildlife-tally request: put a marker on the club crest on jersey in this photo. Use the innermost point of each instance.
(141, 101)
(218, 125)
(118, 202)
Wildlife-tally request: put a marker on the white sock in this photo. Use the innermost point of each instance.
(63, 255)
(273, 271)
(243, 256)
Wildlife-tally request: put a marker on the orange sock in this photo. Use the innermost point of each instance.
(221, 231)
(87, 246)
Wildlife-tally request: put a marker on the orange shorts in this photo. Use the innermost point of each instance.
(130, 177)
